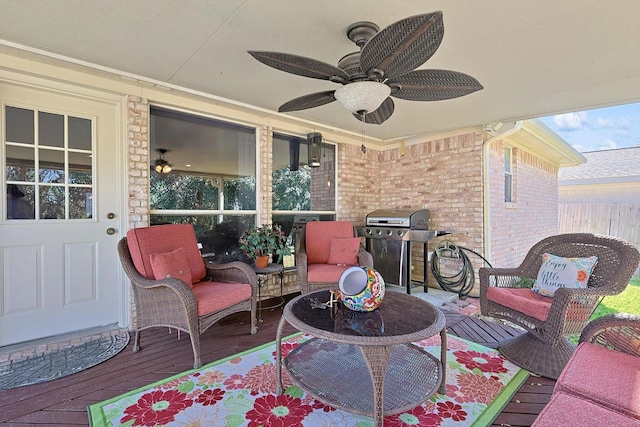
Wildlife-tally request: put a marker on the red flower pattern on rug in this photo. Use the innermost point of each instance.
(451, 410)
(156, 408)
(479, 389)
(278, 411)
(482, 361)
(241, 391)
(210, 397)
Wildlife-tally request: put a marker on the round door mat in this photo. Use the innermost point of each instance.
(42, 367)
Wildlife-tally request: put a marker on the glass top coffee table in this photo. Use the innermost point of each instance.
(364, 363)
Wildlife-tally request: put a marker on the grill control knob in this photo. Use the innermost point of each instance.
(400, 232)
(389, 232)
(368, 231)
(378, 232)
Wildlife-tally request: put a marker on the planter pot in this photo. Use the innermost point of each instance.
(262, 261)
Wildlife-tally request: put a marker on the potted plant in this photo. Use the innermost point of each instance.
(260, 242)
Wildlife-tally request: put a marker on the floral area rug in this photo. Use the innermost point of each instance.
(240, 391)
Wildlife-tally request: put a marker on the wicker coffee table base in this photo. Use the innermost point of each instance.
(338, 375)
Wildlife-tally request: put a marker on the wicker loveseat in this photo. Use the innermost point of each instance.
(193, 296)
(599, 385)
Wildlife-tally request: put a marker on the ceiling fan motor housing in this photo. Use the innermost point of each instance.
(361, 32)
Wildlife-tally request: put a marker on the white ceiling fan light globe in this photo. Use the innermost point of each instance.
(362, 96)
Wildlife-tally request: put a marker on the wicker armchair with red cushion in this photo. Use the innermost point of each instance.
(328, 248)
(505, 293)
(172, 286)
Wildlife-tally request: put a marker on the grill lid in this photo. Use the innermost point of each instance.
(405, 218)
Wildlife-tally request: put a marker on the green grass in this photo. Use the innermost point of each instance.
(626, 302)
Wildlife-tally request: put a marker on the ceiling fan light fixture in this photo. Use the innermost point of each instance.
(161, 165)
(364, 96)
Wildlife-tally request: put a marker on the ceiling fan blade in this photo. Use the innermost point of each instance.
(433, 85)
(403, 46)
(301, 66)
(308, 101)
(379, 116)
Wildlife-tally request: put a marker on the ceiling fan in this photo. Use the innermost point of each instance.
(383, 67)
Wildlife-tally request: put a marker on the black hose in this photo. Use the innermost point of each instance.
(460, 282)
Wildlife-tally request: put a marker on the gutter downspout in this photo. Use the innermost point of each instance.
(486, 211)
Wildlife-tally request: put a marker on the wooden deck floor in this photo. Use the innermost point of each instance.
(63, 402)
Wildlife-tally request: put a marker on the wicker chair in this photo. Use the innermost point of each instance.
(544, 348)
(213, 292)
(314, 270)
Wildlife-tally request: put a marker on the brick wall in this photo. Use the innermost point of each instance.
(532, 215)
(138, 161)
(358, 177)
(444, 176)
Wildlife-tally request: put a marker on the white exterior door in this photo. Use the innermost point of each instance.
(58, 258)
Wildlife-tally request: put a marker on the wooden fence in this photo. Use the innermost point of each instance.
(619, 220)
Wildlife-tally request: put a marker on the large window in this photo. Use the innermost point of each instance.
(48, 165)
(302, 189)
(212, 182)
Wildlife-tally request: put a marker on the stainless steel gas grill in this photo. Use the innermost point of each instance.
(389, 233)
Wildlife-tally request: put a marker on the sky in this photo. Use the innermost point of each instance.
(599, 129)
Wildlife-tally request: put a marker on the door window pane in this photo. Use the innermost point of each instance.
(51, 129)
(51, 166)
(20, 203)
(63, 188)
(80, 168)
(80, 203)
(80, 133)
(19, 125)
(20, 163)
(52, 202)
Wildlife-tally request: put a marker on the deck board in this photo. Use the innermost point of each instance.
(63, 402)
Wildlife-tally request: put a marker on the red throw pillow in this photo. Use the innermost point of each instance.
(171, 264)
(344, 251)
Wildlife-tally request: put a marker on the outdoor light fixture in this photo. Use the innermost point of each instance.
(359, 97)
(313, 147)
(161, 165)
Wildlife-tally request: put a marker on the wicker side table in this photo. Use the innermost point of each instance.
(371, 368)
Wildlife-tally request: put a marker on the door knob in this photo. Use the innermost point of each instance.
(111, 231)
(111, 215)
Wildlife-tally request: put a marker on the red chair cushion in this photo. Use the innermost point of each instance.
(325, 273)
(215, 296)
(156, 239)
(318, 235)
(523, 300)
(566, 410)
(609, 377)
(171, 264)
(344, 251)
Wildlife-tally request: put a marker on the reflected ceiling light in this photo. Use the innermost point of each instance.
(161, 165)
(359, 97)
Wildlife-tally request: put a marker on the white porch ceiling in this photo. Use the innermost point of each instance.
(534, 58)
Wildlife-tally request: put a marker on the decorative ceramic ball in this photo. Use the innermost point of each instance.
(361, 288)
